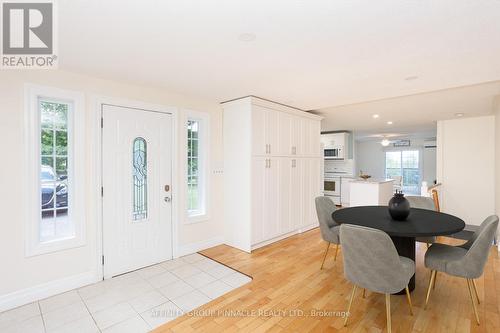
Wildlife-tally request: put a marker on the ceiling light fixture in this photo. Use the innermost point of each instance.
(389, 122)
(385, 142)
(459, 114)
(375, 116)
(247, 37)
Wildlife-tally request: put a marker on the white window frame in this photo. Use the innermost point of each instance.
(400, 150)
(76, 171)
(203, 165)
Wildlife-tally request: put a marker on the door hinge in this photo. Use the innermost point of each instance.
(103, 260)
(102, 122)
(102, 191)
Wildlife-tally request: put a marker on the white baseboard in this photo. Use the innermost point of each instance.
(273, 240)
(309, 227)
(41, 291)
(199, 246)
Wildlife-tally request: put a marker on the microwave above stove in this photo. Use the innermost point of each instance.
(333, 153)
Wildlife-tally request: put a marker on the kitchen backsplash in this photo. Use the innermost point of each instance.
(346, 166)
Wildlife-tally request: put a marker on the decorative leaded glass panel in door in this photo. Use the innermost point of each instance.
(140, 180)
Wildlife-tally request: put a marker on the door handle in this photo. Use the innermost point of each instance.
(167, 199)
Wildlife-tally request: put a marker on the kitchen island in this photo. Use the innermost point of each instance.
(371, 192)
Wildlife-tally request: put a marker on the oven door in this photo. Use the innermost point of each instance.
(331, 186)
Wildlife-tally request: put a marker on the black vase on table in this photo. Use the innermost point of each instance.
(399, 207)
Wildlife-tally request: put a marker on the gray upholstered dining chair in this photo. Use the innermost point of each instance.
(423, 203)
(371, 261)
(329, 229)
(466, 260)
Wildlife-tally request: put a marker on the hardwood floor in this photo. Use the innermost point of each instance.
(287, 276)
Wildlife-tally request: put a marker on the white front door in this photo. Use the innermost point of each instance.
(137, 174)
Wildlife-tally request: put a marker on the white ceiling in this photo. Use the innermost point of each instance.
(412, 116)
(310, 54)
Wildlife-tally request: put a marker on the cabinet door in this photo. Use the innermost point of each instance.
(315, 179)
(297, 136)
(296, 193)
(285, 191)
(271, 205)
(259, 170)
(272, 131)
(306, 194)
(285, 134)
(311, 188)
(259, 144)
(312, 139)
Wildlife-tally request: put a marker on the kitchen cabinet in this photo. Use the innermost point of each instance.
(345, 187)
(311, 188)
(272, 171)
(297, 135)
(285, 146)
(341, 141)
(296, 193)
(265, 131)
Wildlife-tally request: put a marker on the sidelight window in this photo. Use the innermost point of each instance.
(196, 166)
(55, 191)
(55, 165)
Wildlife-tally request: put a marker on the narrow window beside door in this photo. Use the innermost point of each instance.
(140, 180)
(193, 175)
(197, 138)
(54, 176)
(55, 166)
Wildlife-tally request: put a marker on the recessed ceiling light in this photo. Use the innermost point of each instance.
(247, 37)
(385, 142)
(459, 114)
(411, 78)
(389, 122)
(375, 116)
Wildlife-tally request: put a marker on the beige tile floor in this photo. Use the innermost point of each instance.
(134, 302)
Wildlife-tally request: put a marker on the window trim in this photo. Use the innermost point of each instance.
(203, 165)
(76, 171)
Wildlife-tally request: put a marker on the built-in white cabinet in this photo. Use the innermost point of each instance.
(265, 131)
(272, 171)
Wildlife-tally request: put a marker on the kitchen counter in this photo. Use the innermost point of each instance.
(371, 192)
(371, 181)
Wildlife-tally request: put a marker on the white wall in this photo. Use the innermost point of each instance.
(497, 156)
(466, 167)
(370, 158)
(24, 277)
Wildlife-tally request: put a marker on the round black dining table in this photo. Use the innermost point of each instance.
(420, 223)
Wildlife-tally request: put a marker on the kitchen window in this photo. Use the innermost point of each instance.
(405, 164)
(196, 166)
(55, 169)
